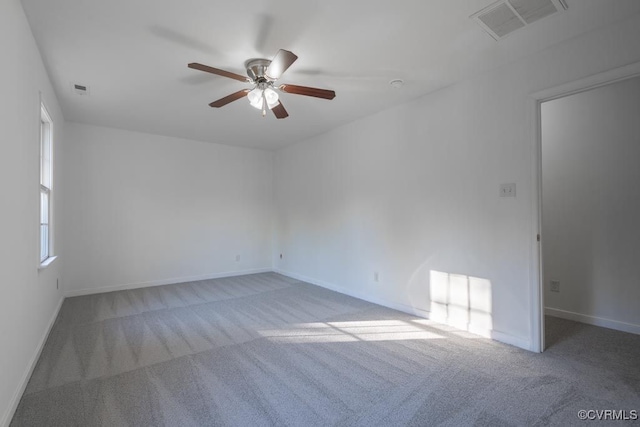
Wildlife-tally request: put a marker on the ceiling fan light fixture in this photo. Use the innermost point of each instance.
(271, 97)
(255, 98)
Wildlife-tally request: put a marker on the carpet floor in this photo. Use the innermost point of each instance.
(266, 349)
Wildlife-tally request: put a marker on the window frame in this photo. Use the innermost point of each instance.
(46, 255)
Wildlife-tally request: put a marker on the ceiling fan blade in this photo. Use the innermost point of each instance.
(308, 91)
(219, 72)
(279, 111)
(229, 98)
(280, 63)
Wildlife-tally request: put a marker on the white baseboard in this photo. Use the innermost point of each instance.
(15, 400)
(487, 333)
(111, 288)
(511, 340)
(593, 320)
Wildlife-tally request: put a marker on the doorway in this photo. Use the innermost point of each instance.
(588, 204)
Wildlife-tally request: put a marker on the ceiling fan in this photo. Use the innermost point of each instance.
(263, 74)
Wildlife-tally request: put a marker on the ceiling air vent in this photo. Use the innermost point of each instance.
(505, 16)
(80, 89)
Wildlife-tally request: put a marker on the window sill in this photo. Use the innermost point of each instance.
(47, 262)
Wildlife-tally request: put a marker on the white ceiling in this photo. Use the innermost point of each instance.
(133, 55)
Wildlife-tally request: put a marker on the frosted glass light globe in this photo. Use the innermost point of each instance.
(271, 96)
(255, 98)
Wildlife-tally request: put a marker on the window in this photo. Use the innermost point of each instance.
(45, 184)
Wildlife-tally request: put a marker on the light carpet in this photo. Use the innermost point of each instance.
(266, 349)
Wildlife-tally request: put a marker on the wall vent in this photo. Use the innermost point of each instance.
(80, 89)
(505, 16)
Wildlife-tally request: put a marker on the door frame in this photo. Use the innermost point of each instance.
(537, 262)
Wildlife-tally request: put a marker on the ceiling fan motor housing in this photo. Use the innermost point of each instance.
(256, 69)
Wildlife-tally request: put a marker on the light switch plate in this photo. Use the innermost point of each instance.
(508, 190)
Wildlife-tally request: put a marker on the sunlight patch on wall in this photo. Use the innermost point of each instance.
(461, 301)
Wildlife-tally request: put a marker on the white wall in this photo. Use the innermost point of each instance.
(28, 297)
(144, 209)
(591, 204)
(412, 192)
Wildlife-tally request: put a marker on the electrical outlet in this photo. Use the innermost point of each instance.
(376, 277)
(508, 190)
(237, 258)
(555, 286)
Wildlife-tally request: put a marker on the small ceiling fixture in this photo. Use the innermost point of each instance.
(263, 75)
(396, 83)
